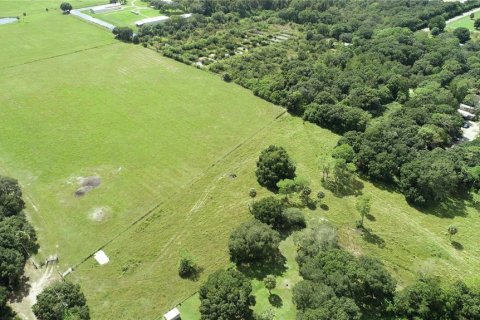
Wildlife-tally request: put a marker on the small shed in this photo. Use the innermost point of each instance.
(173, 314)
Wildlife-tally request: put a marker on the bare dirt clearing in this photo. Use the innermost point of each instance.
(38, 279)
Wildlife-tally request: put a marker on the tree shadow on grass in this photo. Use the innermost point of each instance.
(353, 187)
(324, 207)
(450, 208)
(21, 289)
(260, 270)
(373, 238)
(457, 245)
(275, 300)
(195, 275)
(370, 217)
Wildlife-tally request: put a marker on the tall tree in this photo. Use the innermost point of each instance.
(274, 165)
(61, 300)
(11, 202)
(269, 210)
(66, 7)
(252, 242)
(226, 295)
(363, 206)
(270, 283)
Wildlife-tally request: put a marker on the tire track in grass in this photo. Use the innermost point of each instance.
(57, 56)
(426, 233)
(182, 189)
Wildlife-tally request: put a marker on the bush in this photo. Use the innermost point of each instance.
(187, 267)
(294, 218)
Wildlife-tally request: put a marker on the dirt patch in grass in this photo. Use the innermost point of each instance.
(99, 214)
(87, 184)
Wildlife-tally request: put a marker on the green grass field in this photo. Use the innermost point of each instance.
(18, 7)
(46, 35)
(465, 22)
(165, 139)
(126, 17)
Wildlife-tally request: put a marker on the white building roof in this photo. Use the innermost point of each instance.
(186, 15)
(466, 114)
(107, 6)
(172, 314)
(151, 20)
(101, 257)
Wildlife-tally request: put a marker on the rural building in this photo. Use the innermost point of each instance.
(106, 8)
(466, 115)
(467, 108)
(151, 21)
(186, 15)
(173, 314)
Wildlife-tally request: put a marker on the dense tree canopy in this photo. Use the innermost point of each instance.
(17, 237)
(61, 301)
(226, 295)
(123, 33)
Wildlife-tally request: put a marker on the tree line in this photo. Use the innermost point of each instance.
(18, 242)
(357, 68)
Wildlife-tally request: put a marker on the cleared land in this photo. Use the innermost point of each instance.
(18, 7)
(46, 35)
(201, 218)
(464, 21)
(126, 17)
(166, 137)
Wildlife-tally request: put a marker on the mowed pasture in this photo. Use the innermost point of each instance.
(126, 16)
(147, 126)
(464, 22)
(18, 7)
(142, 279)
(177, 146)
(46, 35)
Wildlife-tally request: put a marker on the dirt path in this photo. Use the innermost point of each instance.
(38, 279)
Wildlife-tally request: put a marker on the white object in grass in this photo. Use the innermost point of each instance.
(101, 257)
(173, 314)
